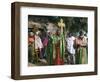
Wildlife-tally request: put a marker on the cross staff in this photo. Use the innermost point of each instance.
(61, 24)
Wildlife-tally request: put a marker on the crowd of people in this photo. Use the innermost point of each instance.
(56, 47)
(77, 48)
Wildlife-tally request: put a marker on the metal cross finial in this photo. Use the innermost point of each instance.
(61, 24)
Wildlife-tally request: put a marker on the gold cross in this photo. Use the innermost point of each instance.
(61, 24)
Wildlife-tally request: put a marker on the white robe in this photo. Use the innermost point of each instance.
(70, 43)
(38, 42)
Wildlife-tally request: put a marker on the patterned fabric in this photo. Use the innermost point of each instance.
(62, 47)
(50, 51)
(81, 51)
(81, 57)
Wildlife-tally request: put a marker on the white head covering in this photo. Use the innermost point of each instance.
(31, 33)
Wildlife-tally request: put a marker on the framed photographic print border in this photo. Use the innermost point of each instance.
(15, 40)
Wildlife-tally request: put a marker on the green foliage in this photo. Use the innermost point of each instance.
(75, 24)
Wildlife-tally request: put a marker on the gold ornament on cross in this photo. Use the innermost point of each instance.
(61, 24)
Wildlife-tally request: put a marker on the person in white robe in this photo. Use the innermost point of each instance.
(70, 48)
(38, 44)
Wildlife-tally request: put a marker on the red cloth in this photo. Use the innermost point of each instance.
(58, 60)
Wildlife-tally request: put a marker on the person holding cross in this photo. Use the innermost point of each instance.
(60, 46)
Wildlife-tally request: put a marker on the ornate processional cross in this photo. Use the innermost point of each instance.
(61, 24)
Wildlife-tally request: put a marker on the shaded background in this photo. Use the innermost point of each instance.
(73, 24)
